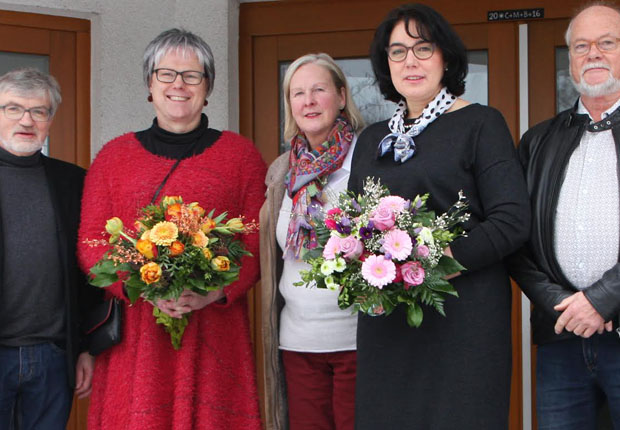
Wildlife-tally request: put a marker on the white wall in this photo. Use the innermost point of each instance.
(121, 29)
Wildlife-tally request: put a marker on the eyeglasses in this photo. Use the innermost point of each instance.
(38, 114)
(604, 44)
(422, 51)
(190, 77)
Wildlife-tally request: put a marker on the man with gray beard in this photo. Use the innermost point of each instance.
(43, 295)
(569, 269)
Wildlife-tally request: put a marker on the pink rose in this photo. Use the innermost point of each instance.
(413, 273)
(332, 248)
(383, 218)
(422, 251)
(351, 247)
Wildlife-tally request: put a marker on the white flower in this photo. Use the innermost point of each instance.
(426, 235)
(331, 284)
(328, 267)
(340, 265)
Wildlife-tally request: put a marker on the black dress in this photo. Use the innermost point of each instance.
(453, 372)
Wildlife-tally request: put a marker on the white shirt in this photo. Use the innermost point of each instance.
(311, 320)
(587, 231)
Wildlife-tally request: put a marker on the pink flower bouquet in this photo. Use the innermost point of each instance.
(380, 250)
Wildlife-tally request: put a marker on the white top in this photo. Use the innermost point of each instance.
(586, 223)
(311, 320)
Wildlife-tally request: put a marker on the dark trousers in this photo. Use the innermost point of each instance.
(574, 378)
(320, 390)
(34, 393)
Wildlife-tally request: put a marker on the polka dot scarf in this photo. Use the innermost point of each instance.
(400, 140)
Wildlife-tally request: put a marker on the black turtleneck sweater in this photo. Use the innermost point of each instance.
(178, 146)
(32, 305)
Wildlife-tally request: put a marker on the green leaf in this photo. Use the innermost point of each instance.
(220, 217)
(102, 279)
(447, 266)
(414, 315)
(442, 286)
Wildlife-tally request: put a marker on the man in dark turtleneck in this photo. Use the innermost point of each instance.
(42, 293)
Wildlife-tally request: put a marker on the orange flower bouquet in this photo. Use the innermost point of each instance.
(173, 247)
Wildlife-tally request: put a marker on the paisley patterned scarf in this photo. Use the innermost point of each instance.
(309, 170)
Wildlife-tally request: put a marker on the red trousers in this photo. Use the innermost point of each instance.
(320, 390)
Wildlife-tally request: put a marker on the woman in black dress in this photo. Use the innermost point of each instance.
(453, 372)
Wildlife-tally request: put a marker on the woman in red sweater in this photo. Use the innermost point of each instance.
(210, 383)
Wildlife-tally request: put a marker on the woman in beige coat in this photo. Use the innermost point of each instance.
(308, 342)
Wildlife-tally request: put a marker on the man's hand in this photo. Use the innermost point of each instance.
(84, 375)
(579, 317)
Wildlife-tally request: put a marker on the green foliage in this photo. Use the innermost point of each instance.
(175, 327)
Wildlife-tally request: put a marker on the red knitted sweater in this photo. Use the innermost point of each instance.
(143, 383)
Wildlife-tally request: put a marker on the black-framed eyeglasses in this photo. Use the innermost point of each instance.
(190, 77)
(422, 51)
(604, 44)
(38, 114)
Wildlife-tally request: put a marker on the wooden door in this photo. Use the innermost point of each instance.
(66, 44)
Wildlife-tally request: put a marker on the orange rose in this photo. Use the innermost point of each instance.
(207, 253)
(221, 263)
(150, 272)
(176, 248)
(173, 211)
(197, 209)
(146, 248)
(207, 226)
(199, 239)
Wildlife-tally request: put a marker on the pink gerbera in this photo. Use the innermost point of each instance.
(394, 203)
(398, 244)
(378, 271)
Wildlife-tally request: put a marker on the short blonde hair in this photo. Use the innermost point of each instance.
(340, 81)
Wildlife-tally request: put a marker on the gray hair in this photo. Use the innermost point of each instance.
(183, 41)
(29, 81)
(340, 81)
(609, 4)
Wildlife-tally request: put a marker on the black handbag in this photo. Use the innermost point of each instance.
(103, 325)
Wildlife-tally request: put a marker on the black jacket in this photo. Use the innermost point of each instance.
(65, 183)
(544, 153)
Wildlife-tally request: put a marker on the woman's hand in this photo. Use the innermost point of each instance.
(448, 252)
(188, 301)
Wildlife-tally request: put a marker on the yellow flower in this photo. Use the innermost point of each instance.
(235, 225)
(207, 253)
(221, 263)
(150, 272)
(146, 248)
(207, 226)
(164, 233)
(146, 235)
(170, 200)
(114, 226)
(199, 239)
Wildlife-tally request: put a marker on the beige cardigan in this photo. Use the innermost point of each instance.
(274, 393)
